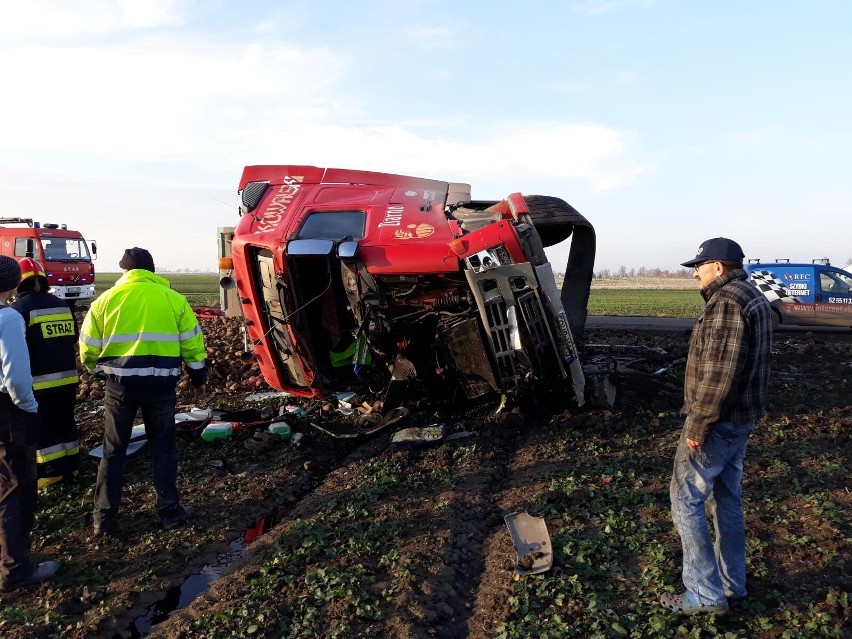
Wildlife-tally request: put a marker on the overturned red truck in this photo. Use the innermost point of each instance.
(356, 280)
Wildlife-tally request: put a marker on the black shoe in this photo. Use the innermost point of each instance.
(176, 518)
(42, 572)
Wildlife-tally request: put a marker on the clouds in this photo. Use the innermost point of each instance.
(628, 109)
(156, 98)
(214, 103)
(45, 18)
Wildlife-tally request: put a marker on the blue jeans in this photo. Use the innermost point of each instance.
(121, 404)
(709, 480)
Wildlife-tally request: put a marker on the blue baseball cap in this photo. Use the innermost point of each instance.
(719, 248)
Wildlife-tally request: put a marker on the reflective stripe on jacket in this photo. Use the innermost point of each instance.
(51, 335)
(140, 330)
(52, 453)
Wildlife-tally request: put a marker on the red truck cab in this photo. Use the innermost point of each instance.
(351, 279)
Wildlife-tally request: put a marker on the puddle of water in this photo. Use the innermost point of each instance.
(181, 596)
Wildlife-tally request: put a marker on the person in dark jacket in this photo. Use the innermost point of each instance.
(51, 337)
(727, 375)
(137, 335)
(18, 422)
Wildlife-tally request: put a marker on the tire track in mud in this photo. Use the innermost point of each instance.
(457, 551)
(461, 560)
(302, 499)
(508, 491)
(443, 596)
(316, 463)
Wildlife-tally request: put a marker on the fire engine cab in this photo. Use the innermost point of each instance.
(64, 254)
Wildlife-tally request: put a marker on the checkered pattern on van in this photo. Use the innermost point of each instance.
(770, 286)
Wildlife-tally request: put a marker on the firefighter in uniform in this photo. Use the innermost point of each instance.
(51, 336)
(136, 335)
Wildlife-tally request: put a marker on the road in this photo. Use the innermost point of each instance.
(675, 324)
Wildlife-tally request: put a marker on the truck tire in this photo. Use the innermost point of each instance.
(553, 218)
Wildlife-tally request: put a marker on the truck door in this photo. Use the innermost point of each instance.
(833, 303)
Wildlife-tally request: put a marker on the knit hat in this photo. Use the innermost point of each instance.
(10, 273)
(137, 258)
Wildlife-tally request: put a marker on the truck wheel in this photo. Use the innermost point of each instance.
(776, 319)
(553, 218)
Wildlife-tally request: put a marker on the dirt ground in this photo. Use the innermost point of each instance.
(360, 538)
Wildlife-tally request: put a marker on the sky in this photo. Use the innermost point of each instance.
(664, 122)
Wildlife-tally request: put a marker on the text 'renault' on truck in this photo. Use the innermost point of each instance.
(63, 252)
(353, 280)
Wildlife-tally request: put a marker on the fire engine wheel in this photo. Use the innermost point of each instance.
(553, 218)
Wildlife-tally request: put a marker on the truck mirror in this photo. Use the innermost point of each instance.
(30, 248)
(310, 247)
(94, 247)
(347, 249)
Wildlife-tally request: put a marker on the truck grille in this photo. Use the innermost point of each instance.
(498, 328)
(542, 343)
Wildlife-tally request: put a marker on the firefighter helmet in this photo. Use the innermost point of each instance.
(30, 268)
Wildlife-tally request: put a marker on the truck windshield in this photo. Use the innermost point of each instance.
(334, 225)
(59, 249)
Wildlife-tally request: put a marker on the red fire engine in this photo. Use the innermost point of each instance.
(64, 254)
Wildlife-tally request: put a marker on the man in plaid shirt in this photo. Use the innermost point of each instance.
(727, 374)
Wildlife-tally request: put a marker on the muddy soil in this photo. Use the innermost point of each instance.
(357, 538)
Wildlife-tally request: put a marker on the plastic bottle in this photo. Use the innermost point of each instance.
(218, 430)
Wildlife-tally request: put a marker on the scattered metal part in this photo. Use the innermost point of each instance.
(532, 543)
(138, 439)
(419, 437)
(259, 397)
(601, 391)
(666, 369)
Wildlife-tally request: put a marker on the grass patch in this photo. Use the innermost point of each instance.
(200, 289)
(646, 303)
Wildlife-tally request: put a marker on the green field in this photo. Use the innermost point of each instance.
(645, 303)
(201, 289)
(627, 296)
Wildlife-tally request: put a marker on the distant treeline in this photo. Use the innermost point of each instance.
(642, 271)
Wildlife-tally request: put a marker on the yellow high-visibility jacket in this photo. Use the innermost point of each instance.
(139, 331)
